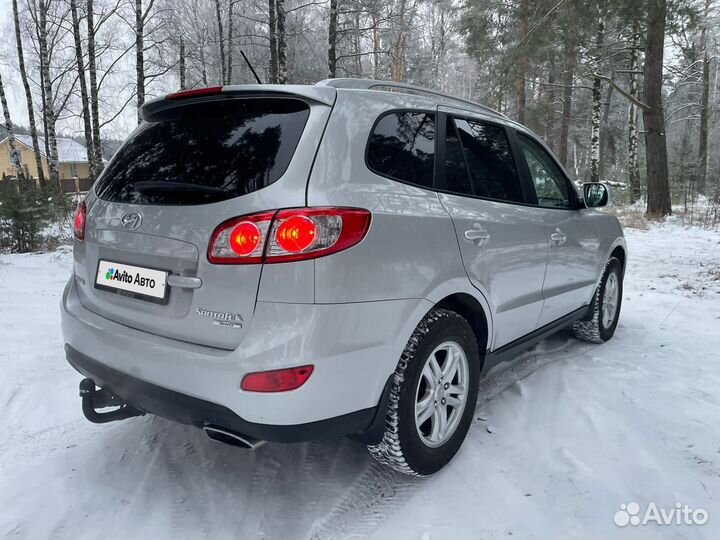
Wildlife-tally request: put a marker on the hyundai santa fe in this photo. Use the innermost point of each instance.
(286, 263)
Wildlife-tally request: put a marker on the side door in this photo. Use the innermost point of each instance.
(502, 240)
(570, 277)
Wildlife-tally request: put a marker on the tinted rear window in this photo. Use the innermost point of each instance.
(402, 147)
(206, 152)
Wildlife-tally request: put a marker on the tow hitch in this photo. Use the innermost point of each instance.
(98, 398)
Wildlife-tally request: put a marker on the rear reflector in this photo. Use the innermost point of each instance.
(295, 234)
(279, 380)
(79, 221)
(196, 92)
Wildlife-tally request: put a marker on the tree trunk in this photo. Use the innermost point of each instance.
(94, 98)
(182, 64)
(522, 62)
(204, 67)
(658, 184)
(45, 136)
(80, 61)
(282, 74)
(221, 39)
(568, 79)
(139, 58)
(550, 99)
(332, 40)
(28, 95)
(596, 104)
(230, 43)
(49, 115)
(704, 103)
(272, 22)
(376, 43)
(357, 42)
(633, 162)
(398, 67)
(14, 155)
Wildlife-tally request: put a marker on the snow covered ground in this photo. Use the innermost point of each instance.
(562, 438)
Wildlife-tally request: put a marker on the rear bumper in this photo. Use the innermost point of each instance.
(354, 348)
(185, 409)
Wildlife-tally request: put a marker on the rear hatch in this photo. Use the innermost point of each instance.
(198, 163)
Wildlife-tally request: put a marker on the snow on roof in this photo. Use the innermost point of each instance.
(69, 150)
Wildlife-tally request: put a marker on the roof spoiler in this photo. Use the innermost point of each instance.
(151, 110)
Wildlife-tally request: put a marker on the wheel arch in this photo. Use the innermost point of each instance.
(468, 307)
(619, 253)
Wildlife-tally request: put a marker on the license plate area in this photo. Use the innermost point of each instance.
(149, 284)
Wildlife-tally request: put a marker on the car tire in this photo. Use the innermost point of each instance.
(606, 306)
(437, 375)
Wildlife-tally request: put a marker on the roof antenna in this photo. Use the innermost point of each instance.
(250, 66)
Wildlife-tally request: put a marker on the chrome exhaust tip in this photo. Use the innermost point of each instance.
(226, 436)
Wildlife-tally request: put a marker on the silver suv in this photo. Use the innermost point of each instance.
(284, 263)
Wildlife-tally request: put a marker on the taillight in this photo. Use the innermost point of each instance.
(279, 380)
(294, 234)
(79, 221)
(195, 93)
(240, 240)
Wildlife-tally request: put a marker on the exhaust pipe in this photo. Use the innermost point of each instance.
(233, 439)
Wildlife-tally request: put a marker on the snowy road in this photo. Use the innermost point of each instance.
(561, 440)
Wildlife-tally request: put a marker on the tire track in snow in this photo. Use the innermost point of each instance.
(366, 504)
(378, 492)
(189, 499)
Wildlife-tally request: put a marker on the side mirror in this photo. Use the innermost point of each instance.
(595, 194)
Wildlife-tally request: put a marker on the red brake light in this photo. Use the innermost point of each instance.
(245, 238)
(79, 221)
(279, 380)
(295, 234)
(240, 240)
(196, 92)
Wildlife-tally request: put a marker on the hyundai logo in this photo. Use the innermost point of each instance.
(131, 221)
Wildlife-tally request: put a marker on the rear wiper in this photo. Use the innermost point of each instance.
(148, 186)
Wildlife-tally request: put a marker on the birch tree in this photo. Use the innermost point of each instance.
(28, 94)
(633, 161)
(49, 112)
(94, 89)
(14, 155)
(282, 73)
(80, 62)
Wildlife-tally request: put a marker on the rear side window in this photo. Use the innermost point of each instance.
(206, 152)
(402, 147)
(489, 161)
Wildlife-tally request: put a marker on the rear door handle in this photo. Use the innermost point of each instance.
(558, 237)
(477, 234)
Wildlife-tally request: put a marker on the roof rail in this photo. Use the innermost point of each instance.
(370, 84)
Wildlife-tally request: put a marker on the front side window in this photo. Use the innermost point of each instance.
(402, 147)
(550, 184)
(488, 160)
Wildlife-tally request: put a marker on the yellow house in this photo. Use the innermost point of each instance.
(72, 158)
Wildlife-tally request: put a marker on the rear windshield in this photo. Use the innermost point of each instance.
(206, 152)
